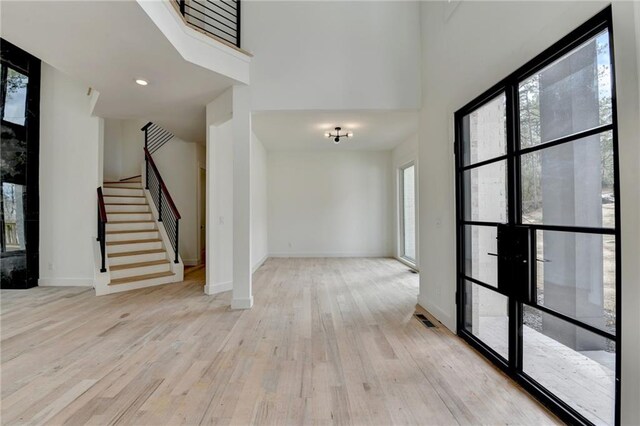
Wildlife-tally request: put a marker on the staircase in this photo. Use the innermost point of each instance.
(136, 253)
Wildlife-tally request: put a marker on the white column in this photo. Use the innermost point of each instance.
(219, 111)
(242, 294)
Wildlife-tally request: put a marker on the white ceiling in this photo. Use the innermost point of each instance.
(304, 130)
(107, 45)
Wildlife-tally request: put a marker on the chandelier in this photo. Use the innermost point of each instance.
(337, 135)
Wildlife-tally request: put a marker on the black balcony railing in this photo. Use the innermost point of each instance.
(219, 18)
(155, 137)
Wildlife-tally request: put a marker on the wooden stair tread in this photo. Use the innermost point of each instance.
(125, 204)
(124, 196)
(120, 222)
(141, 278)
(136, 253)
(123, 182)
(147, 212)
(138, 265)
(132, 231)
(118, 243)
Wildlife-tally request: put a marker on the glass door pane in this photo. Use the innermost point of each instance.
(487, 317)
(483, 175)
(576, 365)
(567, 181)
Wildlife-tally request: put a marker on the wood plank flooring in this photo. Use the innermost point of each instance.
(329, 341)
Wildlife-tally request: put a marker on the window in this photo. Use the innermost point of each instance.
(408, 213)
(15, 100)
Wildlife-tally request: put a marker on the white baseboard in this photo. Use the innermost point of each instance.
(242, 303)
(216, 288)
(333, 254)
(260, 263)
(65, 282)
(438, 313)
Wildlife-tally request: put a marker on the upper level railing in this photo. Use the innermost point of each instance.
(218, 18)
(102, 221)
(155, 137)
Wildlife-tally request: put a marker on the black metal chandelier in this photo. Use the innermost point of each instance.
(337, 136)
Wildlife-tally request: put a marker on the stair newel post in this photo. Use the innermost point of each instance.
(146, 172)
(182, 7)
(159, 202)
(177, 223)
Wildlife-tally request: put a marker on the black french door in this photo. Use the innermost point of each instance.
(19, 154)
(538, 226)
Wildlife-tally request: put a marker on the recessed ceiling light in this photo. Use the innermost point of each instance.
(142, 82)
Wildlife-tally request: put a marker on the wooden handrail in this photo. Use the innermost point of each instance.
(102, 211)
(167, 196)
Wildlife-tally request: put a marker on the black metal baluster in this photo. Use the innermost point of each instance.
(159, 202)
(238, 22)
(98, 223)
(176, 242)
(102, 247)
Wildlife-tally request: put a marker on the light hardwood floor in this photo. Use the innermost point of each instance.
(329, 341)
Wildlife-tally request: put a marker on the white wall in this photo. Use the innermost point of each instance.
(220, 220)
(319, 55)
(177, 162)
(123, 143)
(463, 55)
(402, 155)
(330, 203)
(69, 175)
(259, 203)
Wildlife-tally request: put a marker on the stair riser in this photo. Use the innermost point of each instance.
(130, 226)
(132, 236)
(122, 260)
(130, 208)
(133, 247)
(128, 200)
(140, 271)
(135, 285)
(122, 191)
(129, 216)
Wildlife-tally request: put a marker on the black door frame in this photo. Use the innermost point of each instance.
(509, 87)
(14, 57)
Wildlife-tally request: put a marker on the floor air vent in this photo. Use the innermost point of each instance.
(424, 320)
